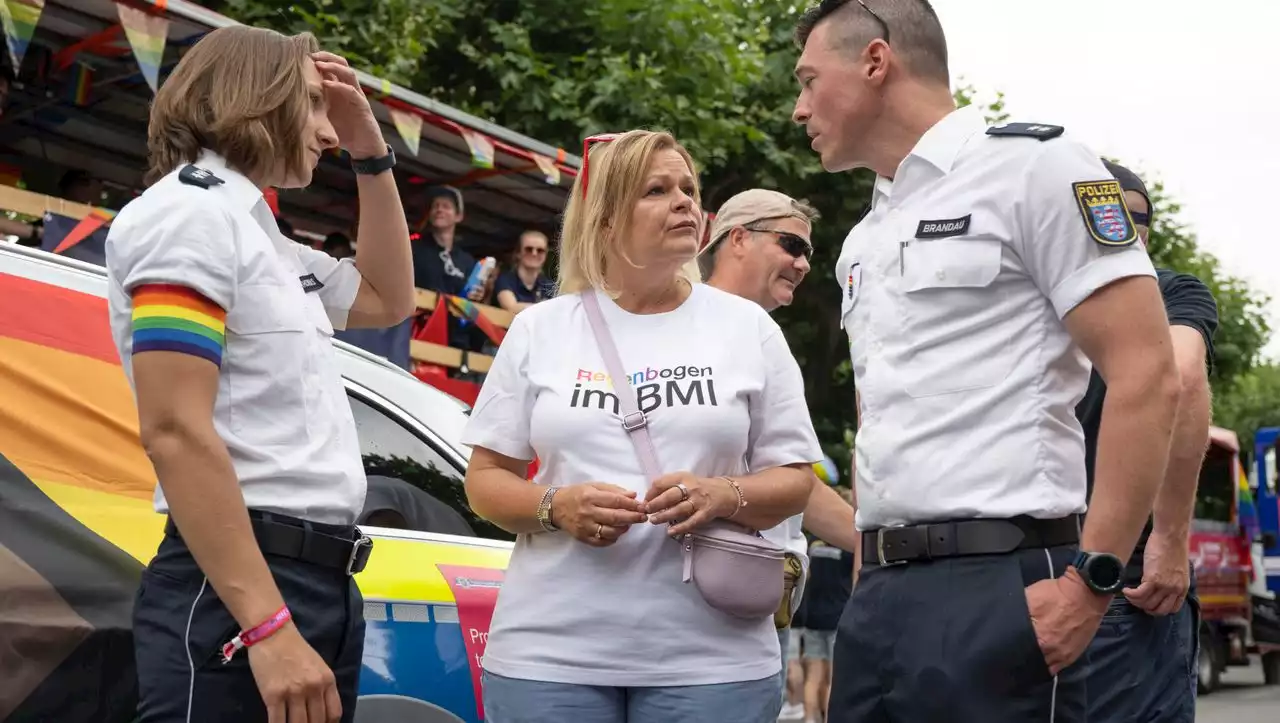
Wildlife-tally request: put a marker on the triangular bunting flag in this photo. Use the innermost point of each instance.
(410, 126)
(481, 148)
(20, 18)
(93, 221)
(548, 168)
(147, 35)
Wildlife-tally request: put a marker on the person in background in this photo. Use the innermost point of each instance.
(338, 245)
(519, 288)
(829, 588)
(80, 186)
(593, 622)
(759, 249)
(1142, 662)
(7, 80)
(995, 265)
(223, 329)
(440, 263)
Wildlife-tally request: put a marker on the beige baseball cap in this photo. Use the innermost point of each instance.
(753, 206)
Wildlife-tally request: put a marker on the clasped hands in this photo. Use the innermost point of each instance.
(599, 513)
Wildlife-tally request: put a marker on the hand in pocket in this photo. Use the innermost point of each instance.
(1065, 615)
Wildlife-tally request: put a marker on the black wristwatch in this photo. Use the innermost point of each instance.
(1101, 571)
(374, 166)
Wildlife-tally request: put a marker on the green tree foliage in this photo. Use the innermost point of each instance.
(718, 74)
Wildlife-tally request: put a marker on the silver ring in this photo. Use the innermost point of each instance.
(684, 491)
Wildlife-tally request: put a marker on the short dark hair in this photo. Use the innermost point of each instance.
(913, 31)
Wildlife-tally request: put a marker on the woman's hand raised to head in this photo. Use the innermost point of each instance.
(690, 500)
(595, 512)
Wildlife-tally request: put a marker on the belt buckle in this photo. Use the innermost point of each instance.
(880, 550)
(357, 561)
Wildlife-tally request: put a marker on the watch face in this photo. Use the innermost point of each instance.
(1105, 571)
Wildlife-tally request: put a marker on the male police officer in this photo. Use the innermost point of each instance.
(1142, 661)
(759, 249)
(224, 326)
(993, 264)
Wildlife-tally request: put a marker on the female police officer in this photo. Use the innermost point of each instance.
(224, 327)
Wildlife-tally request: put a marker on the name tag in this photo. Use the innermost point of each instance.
(310, 283)
(943, 228)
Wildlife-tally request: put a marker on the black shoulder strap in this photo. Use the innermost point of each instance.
(1039, 131)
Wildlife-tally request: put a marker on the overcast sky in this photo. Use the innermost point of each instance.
(1182, 91)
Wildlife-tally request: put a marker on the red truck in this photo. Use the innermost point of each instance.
(1237, 613)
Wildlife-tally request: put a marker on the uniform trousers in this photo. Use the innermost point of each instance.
(950, 641)
(1143, 667)
(180, 626)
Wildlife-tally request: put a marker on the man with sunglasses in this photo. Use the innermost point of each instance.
(759, 249)
(1142, 662)
(994, 265)
(519, 288)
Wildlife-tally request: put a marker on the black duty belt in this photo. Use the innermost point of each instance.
(898, 545)
(337, 547)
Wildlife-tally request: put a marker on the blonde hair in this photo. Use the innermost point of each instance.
(618, 170)
(241, 92)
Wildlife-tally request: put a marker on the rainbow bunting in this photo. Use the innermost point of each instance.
(548, 168)
(468, 310)
(80, 80)
(20, 18)
(481, 148)
(410, 127)
(147, 35)
(92, 221)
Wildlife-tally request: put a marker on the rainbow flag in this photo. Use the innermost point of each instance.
(468, 310)
(1246, 508)
(147, 35)
(549, 170)
(481, 148)
(76, 520)
(79, 82)
(20, 18)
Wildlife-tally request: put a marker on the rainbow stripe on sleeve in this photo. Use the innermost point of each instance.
(167, 317)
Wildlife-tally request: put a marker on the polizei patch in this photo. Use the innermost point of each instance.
(1105, 213)
(944, 227)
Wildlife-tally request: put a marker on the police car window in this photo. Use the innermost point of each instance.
(409, 479)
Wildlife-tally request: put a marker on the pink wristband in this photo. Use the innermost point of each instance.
(256, 634)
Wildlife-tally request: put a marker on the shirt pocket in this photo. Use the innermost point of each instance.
(269, 353)
(951, 314)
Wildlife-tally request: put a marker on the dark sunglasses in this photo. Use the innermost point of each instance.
(534, 250)
(883, 25)
(795, 245)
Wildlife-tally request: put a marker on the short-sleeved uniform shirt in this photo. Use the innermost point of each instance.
(197, 265)
(954, 288)
(541, 290)
(1187, 302)
(723, 394)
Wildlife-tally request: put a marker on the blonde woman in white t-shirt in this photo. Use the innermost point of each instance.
(594, 623)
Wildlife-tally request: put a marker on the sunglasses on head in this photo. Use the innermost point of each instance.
(586, 153)
(793, 244)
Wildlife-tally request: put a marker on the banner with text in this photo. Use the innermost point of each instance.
(476, 591)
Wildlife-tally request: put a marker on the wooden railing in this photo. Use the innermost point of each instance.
(35, 204)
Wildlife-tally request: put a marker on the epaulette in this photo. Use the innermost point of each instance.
(199, 177)
(1039, 131)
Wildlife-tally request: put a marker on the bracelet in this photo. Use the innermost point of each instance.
(256, 634)
(742, 499)
(544, 510)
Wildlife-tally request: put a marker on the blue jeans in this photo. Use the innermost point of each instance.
(1143, 668)
(508, 700)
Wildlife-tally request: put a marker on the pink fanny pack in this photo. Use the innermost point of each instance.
(734, 568)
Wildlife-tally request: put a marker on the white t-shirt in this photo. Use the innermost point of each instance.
(721, 391)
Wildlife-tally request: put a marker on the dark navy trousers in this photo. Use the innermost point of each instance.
(1143, 668)
(951, 641)
(180, 625)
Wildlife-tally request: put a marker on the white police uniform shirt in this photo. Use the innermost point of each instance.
(954, 288)
(281, 407)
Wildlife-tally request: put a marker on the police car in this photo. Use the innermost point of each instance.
(77, 527)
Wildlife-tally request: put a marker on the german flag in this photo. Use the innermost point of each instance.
(76, 522)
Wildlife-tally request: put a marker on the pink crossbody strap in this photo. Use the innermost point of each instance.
(633, 420)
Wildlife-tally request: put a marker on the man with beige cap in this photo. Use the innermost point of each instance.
(760, 249)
